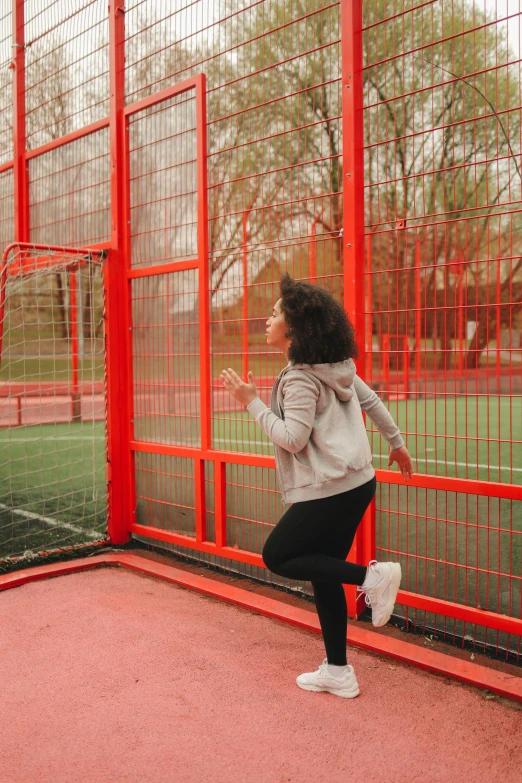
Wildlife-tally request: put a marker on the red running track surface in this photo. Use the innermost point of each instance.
(112, 675)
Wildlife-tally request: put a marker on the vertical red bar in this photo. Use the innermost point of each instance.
(220, 512)
(245, 298)
(461, 312)
(417, 315)
(312, 272)
(353, 220)
(205, 371)
(386, 362)
(21, 190)
(3, 285)
(406, 344)
(201, 516)
(497, 363)
(75, 394)
(121, 474)
(369, 310)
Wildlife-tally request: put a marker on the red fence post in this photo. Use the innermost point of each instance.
(120, 473)
(312, 257)
(245, 296)
(497, 329)
(76, 414)
(21, 190)
(206, 373)
(417, 318)
(353, 230)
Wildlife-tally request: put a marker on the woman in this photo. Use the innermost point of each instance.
(324, 467)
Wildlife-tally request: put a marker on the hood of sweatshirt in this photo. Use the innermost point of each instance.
(339, 376)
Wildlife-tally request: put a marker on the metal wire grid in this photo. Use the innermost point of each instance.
(270, 211)
(67, 67)
(272, 169)
(253, 508)
(6, 90)
(6, 207)
(163, 182)
(69, 192)
(269, 180)
(443, 203)
(165, 340)
(462, 548)
(160, 479)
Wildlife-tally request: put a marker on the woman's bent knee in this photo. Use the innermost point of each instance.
(270, 559)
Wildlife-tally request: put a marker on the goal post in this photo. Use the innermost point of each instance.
(53, 451)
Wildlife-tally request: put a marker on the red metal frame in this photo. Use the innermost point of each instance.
(353, 235)
(357, 297)
(196, 84)
(21, 190)
(120, 465)
(244, 330)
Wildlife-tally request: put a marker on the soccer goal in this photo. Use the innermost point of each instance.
(52, 400)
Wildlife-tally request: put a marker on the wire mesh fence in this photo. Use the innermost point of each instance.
(224, 188)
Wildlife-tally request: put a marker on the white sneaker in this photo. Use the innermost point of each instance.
(321, 680)
(382, 594)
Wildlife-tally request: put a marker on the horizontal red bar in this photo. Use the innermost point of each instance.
(438, 606)
(163, 95)
(6, 166)
(469, 614)
(422, 480)
(229, 457)
(436, 662)
(70, 251)
(489, 489)
(240, 555)
(163, 269)
(68, 138)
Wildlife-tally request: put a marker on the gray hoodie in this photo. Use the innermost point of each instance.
(315, 421)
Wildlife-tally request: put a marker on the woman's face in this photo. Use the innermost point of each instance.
(277, 329)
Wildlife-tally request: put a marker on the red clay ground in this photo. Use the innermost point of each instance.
(108, 675)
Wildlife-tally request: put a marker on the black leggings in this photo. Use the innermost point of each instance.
(311, 542)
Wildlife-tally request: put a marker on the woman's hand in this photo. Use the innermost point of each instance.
(244, 393)
(402, 458)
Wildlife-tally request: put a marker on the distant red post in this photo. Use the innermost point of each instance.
(21, 204)
(75, 391)
(461, 312)
(312, 259)
(498, 326)
(244, 348)
(417, 314)
(457, 268)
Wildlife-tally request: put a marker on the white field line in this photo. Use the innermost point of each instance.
(50, 521)
(265, 443)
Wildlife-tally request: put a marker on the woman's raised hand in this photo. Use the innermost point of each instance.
(244, 393)
(402, 458)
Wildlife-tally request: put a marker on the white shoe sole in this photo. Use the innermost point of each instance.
(394, 589)
(345, 693)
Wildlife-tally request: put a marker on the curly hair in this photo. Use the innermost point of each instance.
(319, 328)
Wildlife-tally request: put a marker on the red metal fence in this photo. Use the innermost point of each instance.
(370, 147)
